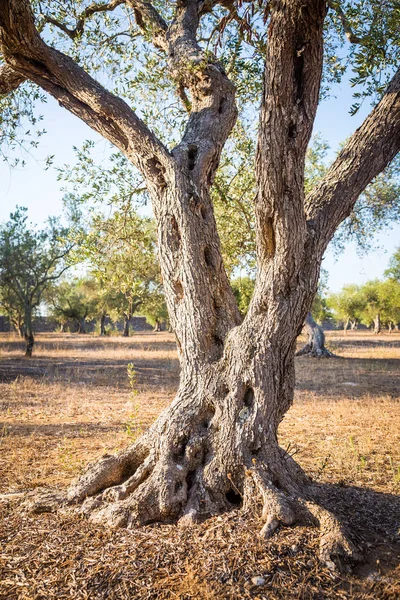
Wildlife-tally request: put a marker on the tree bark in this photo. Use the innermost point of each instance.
(127, 321)
(377, 324)
(28, 332)
(103, 324)
(82, 325)
(353, 324)
(315, 346)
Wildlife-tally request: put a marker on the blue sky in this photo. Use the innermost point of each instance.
(40, 192)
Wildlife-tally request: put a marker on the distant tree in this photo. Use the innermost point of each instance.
(154, 307)
(12, 309)
(315, 345)
(393, 270)
(389, 302)
(371, 313)
(121, 254)
(75, 301)
(347, 305)
(31, 260)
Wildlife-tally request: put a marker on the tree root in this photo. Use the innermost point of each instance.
(144, 485)
(337, 551)
(311, 351)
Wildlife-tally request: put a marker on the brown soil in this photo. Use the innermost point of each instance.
(72, 402)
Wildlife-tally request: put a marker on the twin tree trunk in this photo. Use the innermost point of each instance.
(216, 446)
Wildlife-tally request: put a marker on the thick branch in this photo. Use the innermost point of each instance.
(10, 80)
(149, 19)
(370, 149)
(25, 51)
(293, 71)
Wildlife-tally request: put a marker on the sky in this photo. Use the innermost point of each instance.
(39, 190)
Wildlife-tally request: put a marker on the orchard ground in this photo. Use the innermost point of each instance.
(73, 401)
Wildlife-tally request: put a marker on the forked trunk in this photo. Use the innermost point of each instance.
(390, 326)
(353, 324)
(315, 345)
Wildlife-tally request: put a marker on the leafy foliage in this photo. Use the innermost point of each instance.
(31, 260)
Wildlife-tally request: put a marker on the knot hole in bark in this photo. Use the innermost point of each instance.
(179, 451)
(178, 289)
(174, 235)
(192, 155)
(298, 70)
(203, 211)
(208, 257)
(221, 106)
(156, 169)
(292, 131)
(248, 399)
(233, 497)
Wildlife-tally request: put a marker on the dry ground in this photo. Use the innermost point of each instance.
(72, 402)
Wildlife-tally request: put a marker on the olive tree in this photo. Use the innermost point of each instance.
(216, 445)
(31, 260)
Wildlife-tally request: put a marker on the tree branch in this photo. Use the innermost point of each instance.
(10, 80)
(293, 70)
(351, 36)
(149, 19)
(370, 149)
(76, 90)
(86, 14)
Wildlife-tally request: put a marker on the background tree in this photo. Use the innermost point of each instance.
(393, 270)
(120, 250)
(75, 300)
(348, 305)
(12, 309)
(30, 261)
(216, 445)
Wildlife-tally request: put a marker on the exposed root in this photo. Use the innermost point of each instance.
(314, 352)
(336, 549)
(44, 501)
(277, 506)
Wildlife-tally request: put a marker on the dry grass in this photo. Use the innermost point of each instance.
(72, 402)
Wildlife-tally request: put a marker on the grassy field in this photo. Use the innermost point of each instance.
(73, 401)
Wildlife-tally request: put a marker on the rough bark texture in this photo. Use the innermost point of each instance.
(216, 446)
(315, 346)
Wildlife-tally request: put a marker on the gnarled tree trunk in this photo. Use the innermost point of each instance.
(216, 445)
(315, 346)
